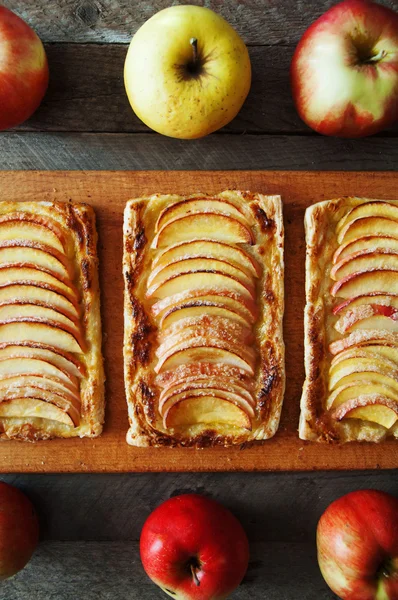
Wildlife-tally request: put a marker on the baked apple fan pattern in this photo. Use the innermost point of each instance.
(51, 380)
(360, 303)
(203, 344)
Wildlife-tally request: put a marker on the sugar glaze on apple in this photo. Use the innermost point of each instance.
(344, 72)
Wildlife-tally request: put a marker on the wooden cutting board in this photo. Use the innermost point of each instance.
(107, 192)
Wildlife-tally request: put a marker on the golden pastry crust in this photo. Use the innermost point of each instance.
(316, 422)
(76, 222)
(140, 334)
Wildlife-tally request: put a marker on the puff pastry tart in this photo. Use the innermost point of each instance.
(351, 321)
(51, 376)
(203, 347)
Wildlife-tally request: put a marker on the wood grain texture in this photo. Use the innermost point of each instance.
(75, 151)
(107, 193)
(93, 571)
(258, 21)
(87, 93)
(273, 507)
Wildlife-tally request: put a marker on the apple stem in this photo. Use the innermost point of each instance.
(194, 44)
(194, 574)
(379, 56)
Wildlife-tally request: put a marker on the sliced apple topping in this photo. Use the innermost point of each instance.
(220, 296)
(367, 226)
(9, 312)
(378, 208)
(374, 408)
(65, 362)
(385, 302)
(204, 325)
(371, 243)
(389, 353)
(34, 408)
(197, 280)
(355, 389)
(42, 333)
(184, 354)
(366, 282)
(14, 365)
(368, 261)
(35, 276)
(210, 226)
(208, 385)
(364, 337)
(234, 255)
(30, 230)
(199, 206)
(40, 296)
(204, 370)
(206, 410)
(192, 265)
(349, 366)
(192, 310)
(368, 316)
(21, 256)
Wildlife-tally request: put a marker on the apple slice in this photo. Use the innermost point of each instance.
(194, 265)
(42, 333)
(372, 243)
(366, 282)
(200, 280)
(346, 367)
(40, 296)
(358, 388)
(388, 353)
(367, 226)
(72, 368)
(35, 276)
(234, 255)
(178, 343)
(17, 365)
(363, 336)
(33, 257)
(365, 262)
(37, 387)
(205, 410)
(210, 226)
(203, 370)
(220, 296)
(204, 325)
(209, 387)
(191, 352)
(73, 330)
(193, 310)
(9, 312)
(198, 206)
(378, 208)
(368, 317)
(375, 408)
(30, 230)
(23, 408)
(374, 300)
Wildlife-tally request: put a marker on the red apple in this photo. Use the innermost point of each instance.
(19, 530)
(194, 548)
(23, 70)
(344, 71)
(357, 540)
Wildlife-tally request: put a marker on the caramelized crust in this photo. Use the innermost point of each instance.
(72, 244)
(147, 382)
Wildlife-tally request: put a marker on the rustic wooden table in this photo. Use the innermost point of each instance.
(91, 523)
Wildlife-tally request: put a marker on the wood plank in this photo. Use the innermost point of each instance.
(107, 192)
(272, 507)
(86, 93)
(115, 21)
(113, 571)
(218, 151)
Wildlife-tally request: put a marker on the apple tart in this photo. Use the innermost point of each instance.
(351, 321)
(203, 345)
(51, 374)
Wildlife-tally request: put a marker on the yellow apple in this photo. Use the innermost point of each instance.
(187, 72)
